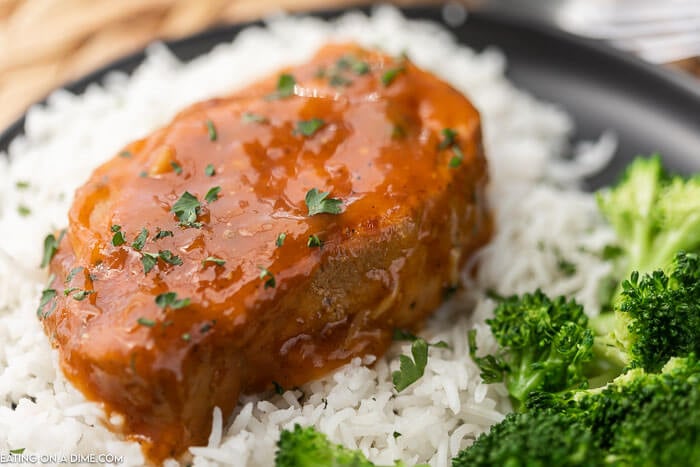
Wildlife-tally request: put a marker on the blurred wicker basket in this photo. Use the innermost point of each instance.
(46, 43)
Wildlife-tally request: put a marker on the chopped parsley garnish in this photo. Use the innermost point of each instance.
(212, 195)
(169, 299)
(50, 248)
(72, 274)
(449, 140)
(177, 168)
(285, 87)
(359, 67)
(170, 258)
(17, 451)
(149, 323)
(314, 242)
(398, 132)
(401, 335)
(143, 174)
(186, 209)
(148, 260)
(396, 434)
(209, 170)
(23, 210)
(280, 239)
(140, 240)
(81, 295)
(411, 369)
(278, 388)
(125, 154)
(213, 260)
(162, 234)
(250, 117)
(458, 157)
(47, 295)
(186, 337)
(70, 290)
(339, 80)
(390, 75)
(264, 273)
(22, 184)
(318, 203)
(211, 129)
(309, 127)
(118, 237)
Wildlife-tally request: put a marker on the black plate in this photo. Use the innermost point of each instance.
(649, 108)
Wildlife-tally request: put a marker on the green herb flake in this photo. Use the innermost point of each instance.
(70, 290)
(314, 242)
(401, 335)
(211, 130)
(125, 154)
(250, 117)
(148, 260)
(81, 295)
(396, 434)
(457, 158)
(318, 202)
(449, 136)
(177, 168)
(149, 323)
(17, 451)
(338, 80)
(280, 239)
(47, 296)
(285, 87)
(270, 281)
(278, 388)
(390, 75)
(170, 258)
(118, 237)
(212, 195)
(162, 234)
(411, 369)
(140, 240)
(206, 327)
(209, 170)
(213, 260)
(169, 299)
(398, 132)
(50, 248)
(186, 337)
(143, 174)
(72, 274)
(308, 127)
(23, 210)
(186, 209)
(21, 184)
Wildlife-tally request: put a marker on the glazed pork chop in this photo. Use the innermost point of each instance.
(266, 237)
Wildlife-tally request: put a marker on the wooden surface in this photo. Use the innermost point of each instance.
(45, 43)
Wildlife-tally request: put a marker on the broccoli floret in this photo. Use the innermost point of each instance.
(306, 447)
(657, 317)
(533, 439)
(639, 418)
(545, 345)
(653, 214)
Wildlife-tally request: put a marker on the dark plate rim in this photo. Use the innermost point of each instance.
(683, 83)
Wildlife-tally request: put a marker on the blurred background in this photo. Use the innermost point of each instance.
(46, 43)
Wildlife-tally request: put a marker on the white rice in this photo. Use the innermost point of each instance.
(537, 223)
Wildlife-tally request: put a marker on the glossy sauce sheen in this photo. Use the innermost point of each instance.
(408, 222)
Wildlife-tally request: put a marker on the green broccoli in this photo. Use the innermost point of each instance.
(639, 418)
(533, 439)
(545, 345)
(306, 447)
(657, 317)
(654, 215)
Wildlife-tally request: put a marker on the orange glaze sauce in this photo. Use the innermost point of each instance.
(408, 220)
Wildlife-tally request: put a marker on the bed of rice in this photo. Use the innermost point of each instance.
(539, 225)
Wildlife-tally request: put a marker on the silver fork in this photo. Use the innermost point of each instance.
(659, 31)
